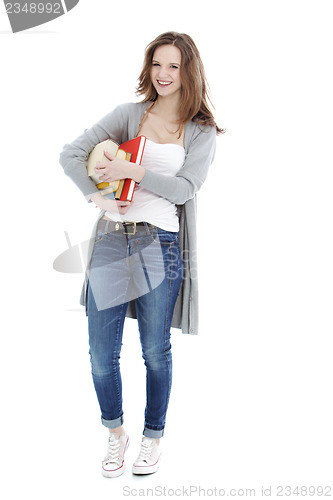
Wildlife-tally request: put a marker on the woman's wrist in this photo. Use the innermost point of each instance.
(97, 198)
(101, 202)
(136, 172)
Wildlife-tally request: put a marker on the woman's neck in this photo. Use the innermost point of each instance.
(168, 107)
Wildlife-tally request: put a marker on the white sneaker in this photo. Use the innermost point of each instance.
(148, 460)
(113, 464)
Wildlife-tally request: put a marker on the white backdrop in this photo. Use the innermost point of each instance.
(251, 399)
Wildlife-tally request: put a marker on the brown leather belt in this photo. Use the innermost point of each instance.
(127, 227)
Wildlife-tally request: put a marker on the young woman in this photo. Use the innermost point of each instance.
(142, 260)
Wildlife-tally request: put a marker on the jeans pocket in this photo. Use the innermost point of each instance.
(166, 237)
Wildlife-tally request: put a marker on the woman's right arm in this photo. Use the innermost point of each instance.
(74, 156)
(110, 205)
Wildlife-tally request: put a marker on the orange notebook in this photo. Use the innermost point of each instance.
(134, 153)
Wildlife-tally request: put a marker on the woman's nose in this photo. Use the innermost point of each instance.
(162, 73)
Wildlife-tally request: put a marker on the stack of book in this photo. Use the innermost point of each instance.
(131, 151)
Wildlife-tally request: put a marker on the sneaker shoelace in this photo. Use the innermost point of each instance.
(146, 450)
(113, 455)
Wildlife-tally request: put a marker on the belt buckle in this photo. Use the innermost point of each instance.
(134, 228)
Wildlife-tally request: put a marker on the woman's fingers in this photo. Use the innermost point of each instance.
(110, 157)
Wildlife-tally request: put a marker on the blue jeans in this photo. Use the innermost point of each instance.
(145, 267)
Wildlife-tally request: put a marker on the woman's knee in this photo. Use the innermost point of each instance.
(157, 357)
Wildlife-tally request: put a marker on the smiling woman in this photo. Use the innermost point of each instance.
(179, 53)
(142, 262)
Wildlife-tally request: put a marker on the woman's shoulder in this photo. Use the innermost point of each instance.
(200, 128)
(205, 135)
(132, 108)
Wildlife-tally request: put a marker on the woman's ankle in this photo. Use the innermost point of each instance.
(118, 430)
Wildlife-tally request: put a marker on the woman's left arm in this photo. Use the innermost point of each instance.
(193, 173)
(176, 189)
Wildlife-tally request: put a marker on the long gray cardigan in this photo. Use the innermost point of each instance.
(122, 125)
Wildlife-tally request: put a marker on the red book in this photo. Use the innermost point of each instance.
(134, 152)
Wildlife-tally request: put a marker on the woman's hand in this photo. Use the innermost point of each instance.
(113, 170)
(117, 169)
(110, 205)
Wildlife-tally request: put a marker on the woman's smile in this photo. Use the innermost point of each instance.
(163, 84)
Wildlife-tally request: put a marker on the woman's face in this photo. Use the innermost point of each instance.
(165, 70)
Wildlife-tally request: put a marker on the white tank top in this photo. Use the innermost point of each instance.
(146, 206)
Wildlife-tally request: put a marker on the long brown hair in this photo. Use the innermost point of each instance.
(194, 87)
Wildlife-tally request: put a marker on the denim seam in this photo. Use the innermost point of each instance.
(114, 364)
(166, 326)
(165, 341)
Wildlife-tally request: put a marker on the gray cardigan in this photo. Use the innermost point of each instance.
(122, 125)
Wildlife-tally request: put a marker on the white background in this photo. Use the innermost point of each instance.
(251, 400)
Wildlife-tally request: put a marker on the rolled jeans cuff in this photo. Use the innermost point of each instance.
(151, 433)
(112, 424)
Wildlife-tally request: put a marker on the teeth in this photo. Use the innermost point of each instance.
(163, 83)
